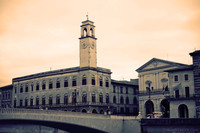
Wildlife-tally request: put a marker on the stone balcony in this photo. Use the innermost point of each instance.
(180, 97)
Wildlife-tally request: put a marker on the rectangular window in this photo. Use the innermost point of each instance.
(21, 89)
(15, 90)
(37, 87)
(66, 83)
(107, 83)
(74, 83)
(126, 90)
(187, 92)
(113, 89)
(121, 90)
(26, 88)
(50, 85)
(176, 78)
(186, 77)
(101, 83)
(177, 93)
(58, 85)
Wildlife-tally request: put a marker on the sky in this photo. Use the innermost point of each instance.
(39, 35)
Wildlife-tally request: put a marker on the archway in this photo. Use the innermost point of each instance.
(94, 111)
(164, 107)
(149, 107)
(183, 111)
(101, 111)
(84, 111)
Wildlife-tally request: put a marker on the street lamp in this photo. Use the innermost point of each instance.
(148, 82)
(75, 94)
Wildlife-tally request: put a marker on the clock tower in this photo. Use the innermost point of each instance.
(88, 50)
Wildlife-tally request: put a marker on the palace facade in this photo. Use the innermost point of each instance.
(86, 88)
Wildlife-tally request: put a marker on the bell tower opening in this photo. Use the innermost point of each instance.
(88, 45)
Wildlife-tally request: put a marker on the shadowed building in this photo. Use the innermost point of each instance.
(86, 88)
(6, 96)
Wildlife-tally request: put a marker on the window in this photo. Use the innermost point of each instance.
(43, 100)
(114, 99)
(121, 90)
(101, 98)
(107, 82)
(127, 100)
(58, 83)
(26, 102)
(107, 98)
(21, 89)
(122, 110)
(100, 81)
(31, 101)
(26, 88)
(127, 110)
(126, 90)
(15, 90)
(43, 85)
(66, 83)
(186, 77)
(187, 92)
(114, 89)
(134, 91)
(135, 102)
(176, 78)
(50, 100)
(84, 97)
(121, 100)
(177, 93)
(50, 84)
(15, 103)
(8, 95)
(66, 99)
(93, 97)
(37, 86)
(74, 82)
(32, 87)
(93, 80)
(84, 80)
(37, 101)
(58, 99)
(21, 103)
(73, 98)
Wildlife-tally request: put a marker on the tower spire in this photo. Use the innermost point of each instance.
(87, 16)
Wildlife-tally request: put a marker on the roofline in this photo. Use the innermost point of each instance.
(123, 82)
(61, 71)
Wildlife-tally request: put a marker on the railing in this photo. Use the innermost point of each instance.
(155, 91)
(68, 105)
(174, 97)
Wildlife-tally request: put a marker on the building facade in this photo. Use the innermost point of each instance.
(154, 86)
(6, 96)
(86, 88)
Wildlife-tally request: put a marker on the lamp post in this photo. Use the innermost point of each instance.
(75, 94)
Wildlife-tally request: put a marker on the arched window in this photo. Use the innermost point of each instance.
(107, 98)
(15, 103)
(58, 83)
(114, 99)
(183, 111)
(43, 100)
(43, 85)
(50, 100)
(50, 84)
(84, 32)
(58, 99)
(74, 81)
(93, 97)
(84, 97)
(121, 100)
(107, 82)
(91, 32)
(93, 80)
(37, 101)
(84, 80)
(100, 81)
(21, 103)
(101, 98)
(37, 86)
(31, 101)
(135, 102)
(127, 100)
(26, 88)
(65, 99)
(26, 102)
(66, 82)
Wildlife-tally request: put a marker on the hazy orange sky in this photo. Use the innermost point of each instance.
(38, 34)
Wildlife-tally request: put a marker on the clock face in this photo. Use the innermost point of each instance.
(92, 46)
(84, 45)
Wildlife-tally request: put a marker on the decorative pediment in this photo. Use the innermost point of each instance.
(157, 64)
